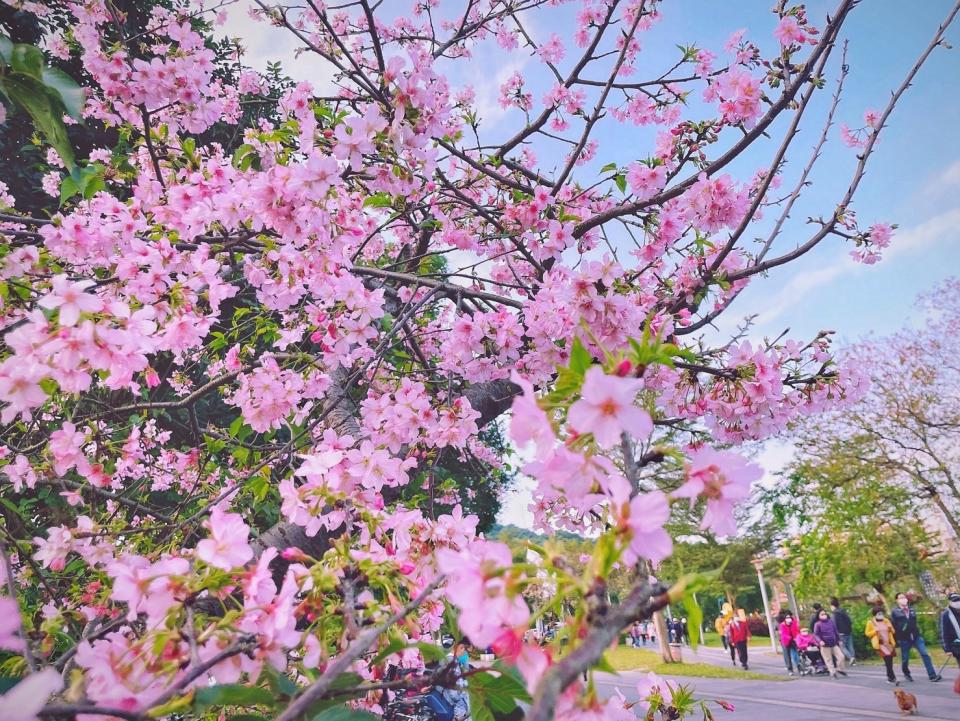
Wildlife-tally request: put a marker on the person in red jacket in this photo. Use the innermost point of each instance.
(739, 635)
(789, 630)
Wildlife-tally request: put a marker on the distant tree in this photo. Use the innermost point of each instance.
(844, 523)
(909, 421)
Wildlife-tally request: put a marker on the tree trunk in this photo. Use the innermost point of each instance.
(663, 637)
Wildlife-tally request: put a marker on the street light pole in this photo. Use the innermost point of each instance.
(758, 564)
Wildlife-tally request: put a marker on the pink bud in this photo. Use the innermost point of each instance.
(293, 554)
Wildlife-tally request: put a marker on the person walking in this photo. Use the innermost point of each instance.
(950, 626)
(817, 608)
(845, 628)
(789, 630)
(904, 619)
(644, 632)
(721, 631)
(828, 638)
(739, 636)
(884, 641)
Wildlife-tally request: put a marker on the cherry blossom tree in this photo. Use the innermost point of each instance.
(231, 375)
(908, 423)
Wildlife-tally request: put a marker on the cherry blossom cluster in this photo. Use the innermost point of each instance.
(251, 389)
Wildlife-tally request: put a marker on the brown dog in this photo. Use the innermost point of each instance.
(906, 701)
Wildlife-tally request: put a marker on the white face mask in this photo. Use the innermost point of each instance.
(879, 617)
(790, 620)
(955, 604)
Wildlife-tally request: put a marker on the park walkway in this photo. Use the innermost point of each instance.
(862, 696)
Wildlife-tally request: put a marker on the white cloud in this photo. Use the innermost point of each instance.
(514, 508)
(951, 175)
(265, 43)
(906, 241)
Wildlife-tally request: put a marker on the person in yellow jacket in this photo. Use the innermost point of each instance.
(721, 627)
(884, 641)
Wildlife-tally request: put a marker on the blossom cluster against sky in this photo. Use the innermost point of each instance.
(913, 179)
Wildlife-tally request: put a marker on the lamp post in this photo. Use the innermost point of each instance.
(758, 564)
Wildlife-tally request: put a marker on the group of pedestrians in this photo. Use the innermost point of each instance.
(678, 631)
(827, 641)
(641, 631)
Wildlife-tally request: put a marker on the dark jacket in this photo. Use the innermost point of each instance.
(827, 632)
(948, 632)
(843, 623)
(905, 625)
(813, 620)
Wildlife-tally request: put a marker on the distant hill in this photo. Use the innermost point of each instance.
(509, 530)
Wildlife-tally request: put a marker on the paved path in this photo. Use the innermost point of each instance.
(862, 696)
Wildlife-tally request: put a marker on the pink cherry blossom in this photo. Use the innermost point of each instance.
(27, 697)
(71, 300)
(606, 408)
(789, 32)
(723, 479)
(227, 546)
(529, 423)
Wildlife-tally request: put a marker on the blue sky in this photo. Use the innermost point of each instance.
(913, 179)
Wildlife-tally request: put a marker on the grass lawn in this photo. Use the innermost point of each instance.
(626, 658)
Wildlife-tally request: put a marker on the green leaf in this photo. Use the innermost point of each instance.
(430, 652)
(395, 646)
(344, 713)
(694, 618)
(6, 49)
(232, 694)
(608, 167)
(580, 358)
(621, 181)
(70, 93)
(93, 186)
(280, 684)
(27, 60)
(68, 188)
(494, 694)
(378, 200)
(33, 97)
(244, 156)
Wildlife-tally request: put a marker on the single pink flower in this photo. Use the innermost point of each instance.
(723, 478)
(789, 32)
(71, 299)
(529, 423)
(606, 408)
(648, 513)
(227, 546)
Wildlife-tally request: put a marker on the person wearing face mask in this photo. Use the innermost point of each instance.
(789, 630)
(904, 620)
(845, 627)
(883, 639)
(457, 697)
(950, 626)
(825, 631)
(739, 633)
